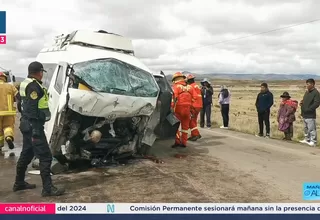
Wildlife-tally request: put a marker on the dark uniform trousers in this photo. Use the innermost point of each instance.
(34, 146)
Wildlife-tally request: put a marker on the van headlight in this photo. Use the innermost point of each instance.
(146, 110)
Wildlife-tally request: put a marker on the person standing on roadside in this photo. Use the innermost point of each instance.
(207, 93)
(286, 115)
(264, 102)
(224, 101)
(309, 104)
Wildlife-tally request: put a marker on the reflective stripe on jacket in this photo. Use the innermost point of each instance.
(43, 104)
(197, 97)
(7, 94)
(182, 94)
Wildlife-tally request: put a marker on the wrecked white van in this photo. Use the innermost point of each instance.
(105, 103)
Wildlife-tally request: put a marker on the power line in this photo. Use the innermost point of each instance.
(239, 38)
(3, 68)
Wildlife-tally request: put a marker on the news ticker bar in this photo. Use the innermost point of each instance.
(160, 208)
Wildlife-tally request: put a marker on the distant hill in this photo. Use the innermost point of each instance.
(270, 77)
(19, 79)
(232, 76)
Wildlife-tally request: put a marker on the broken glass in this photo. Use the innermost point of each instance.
(117, 77)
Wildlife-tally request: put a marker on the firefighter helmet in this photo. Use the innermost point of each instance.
(190, 76)
(177, 74)
(4, 75)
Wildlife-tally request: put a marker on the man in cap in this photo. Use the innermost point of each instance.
(207, 93)
(8, 94)
(264, 102)
(181, 106)
(35, 112)
(195, 108)
(309, 105)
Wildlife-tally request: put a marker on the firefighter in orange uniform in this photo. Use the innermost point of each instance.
(180, 105)
(195, 108)
(8, 93)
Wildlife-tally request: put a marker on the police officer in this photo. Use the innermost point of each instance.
(34, 113)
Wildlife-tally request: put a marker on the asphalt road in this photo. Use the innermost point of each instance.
(223, 166)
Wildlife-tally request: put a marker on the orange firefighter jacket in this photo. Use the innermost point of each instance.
(182, 94)
(7, 94)
(197, 97)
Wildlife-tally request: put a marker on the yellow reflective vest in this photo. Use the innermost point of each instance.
(43, 105)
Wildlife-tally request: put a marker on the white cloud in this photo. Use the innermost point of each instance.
(162, 29)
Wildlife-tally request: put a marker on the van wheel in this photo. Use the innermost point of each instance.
(144, 149)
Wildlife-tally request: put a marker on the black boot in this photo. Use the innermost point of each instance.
(19, 183)
(9, 141)
(175, 145)
(54, 191)
(23, 186)
(196, 138)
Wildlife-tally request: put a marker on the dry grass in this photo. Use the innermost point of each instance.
(243, 115)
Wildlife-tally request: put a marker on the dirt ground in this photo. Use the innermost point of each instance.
(223, 166)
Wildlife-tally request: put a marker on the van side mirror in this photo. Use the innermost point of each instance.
(13, 78)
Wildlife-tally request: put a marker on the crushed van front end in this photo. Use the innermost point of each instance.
(108, 107)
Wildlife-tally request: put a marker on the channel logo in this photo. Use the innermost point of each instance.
(3, 28)
(3, 39)
(110, 208)
(311, 191)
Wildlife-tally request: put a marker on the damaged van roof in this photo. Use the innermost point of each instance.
(83, 45)
(77, 54)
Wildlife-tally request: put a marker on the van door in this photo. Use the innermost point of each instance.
(164, 128)
(57, 96)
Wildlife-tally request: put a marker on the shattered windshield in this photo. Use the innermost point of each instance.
(117, 77)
